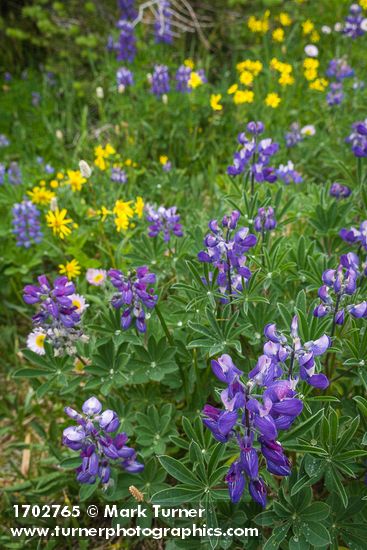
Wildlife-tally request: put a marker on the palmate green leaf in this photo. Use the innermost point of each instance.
(304, 481)
(215, 458)
(211, 518)
(177, 495)
(298, 543)
(86, 491)
(279, 534)
(335, 483)
(316, 534)
(266, 519)
(70, 463)
(303, 427)
(361, 404)
(179, 471)
(32, 373)
(305, 448)
(317, 511)
(197, 459)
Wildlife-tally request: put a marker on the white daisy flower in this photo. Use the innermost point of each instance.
(79, 302)
(96, 277)
(311, 50)
(36, 341)
(308, 130)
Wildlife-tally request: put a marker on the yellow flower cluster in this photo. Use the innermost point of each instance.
(260, 25)
(125, 210)
(102, 155)
(310, 68)
(254, 67)
(320, 84)
(285, 71)
(308, 29)
(248, 70)
(363, 4)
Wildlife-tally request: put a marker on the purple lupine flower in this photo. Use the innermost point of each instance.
(26, 224)
(2, 173)
(59, 316)
(254, 156)
(335, 96)
(98, 449)
(353, 235)
(339, 285)
(358, 138)
(126, 48)
(354, 23)
(160, 80)
(118, 175)
(14, 174)
(280, 349)
(288, 174)
(4, 142)
(163, 220)
(49, 169)
(358, 310)
(182, 78)
(133, 295)
(293, 136)
(339, 69)
(236, 481)
(36, 99)
(265, 220)
(167, 166)
(245, 417)
(124, 78)
(225, 250)
(127, 8)
(162, 26)
(340, 191)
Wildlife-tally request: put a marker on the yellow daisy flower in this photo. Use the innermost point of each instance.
(284, 19)
(58, 221)
(215, 102)
(278, 35)
(40, 195)
(272, 100)
(122, 223)
(246, 78)
(307, 27)
(122, 208)
(232, 89)
(189, 63)
(70, 269)
(75, 180)
(139, 207)
(195, 80)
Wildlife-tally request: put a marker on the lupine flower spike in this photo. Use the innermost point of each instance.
(99, 449)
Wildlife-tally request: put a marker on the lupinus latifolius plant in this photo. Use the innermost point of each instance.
(192, 329)
(98, 449)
